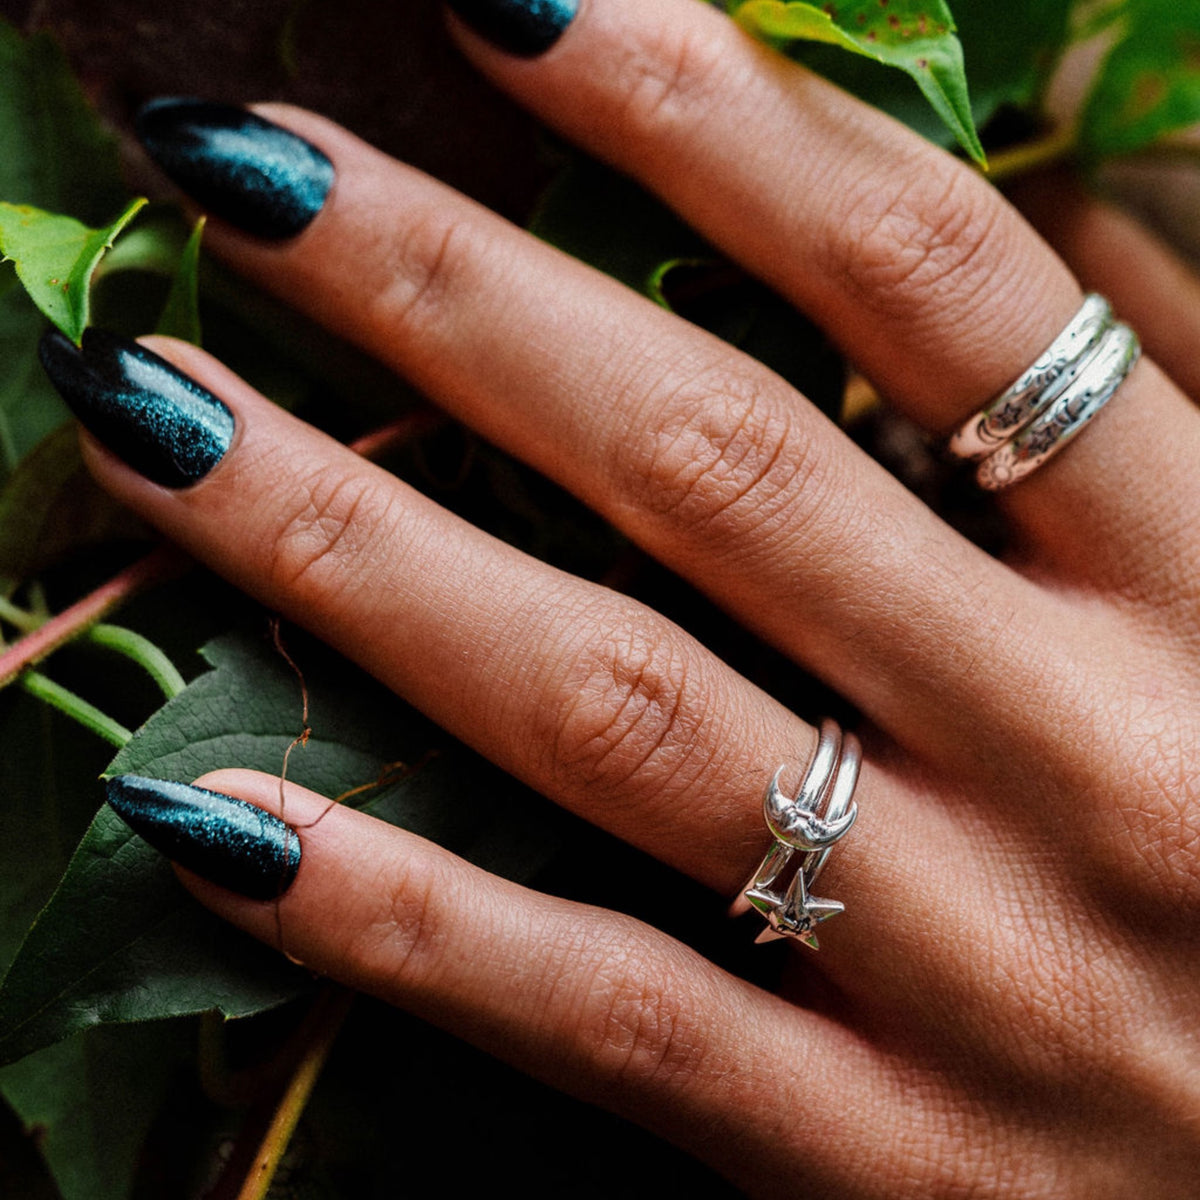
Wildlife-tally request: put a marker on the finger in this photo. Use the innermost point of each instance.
(937, 289)
(588, 1000)
(590, 697)
(699, 453)
(1100, 243)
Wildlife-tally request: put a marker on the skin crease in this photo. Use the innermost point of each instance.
(1008, 1008)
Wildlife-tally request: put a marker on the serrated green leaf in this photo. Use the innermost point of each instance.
(55, 257)
(120, 940)
(181, 313)
(1149, 83)
(53, 151)
(916, 36)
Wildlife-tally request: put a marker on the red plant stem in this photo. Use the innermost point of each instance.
(157, 567)
(167, 561)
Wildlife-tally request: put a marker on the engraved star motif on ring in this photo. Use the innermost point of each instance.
(796, 916)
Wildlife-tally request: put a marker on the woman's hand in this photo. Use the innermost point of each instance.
(1010, 1002)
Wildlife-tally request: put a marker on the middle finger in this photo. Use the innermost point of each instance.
(701, 454)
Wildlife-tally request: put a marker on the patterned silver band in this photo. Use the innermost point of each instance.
(1051, 402)
(1092, 388)
(1054, 368)
(821, 813)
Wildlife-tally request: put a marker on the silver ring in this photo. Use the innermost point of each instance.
(1093, 386)
(1035, 388)
(810, 823)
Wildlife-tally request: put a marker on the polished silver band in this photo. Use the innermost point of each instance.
(1051, 402)
(820, 813)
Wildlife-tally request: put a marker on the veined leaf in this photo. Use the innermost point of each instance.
(1149, 83)
(915, 36)
(120, 940)
(55, 257)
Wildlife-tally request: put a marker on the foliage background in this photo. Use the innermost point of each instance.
(167, 1108)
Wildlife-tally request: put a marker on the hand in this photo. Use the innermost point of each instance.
(1009, 1002)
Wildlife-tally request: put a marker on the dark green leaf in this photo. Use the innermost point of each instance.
(55, 257)
(1149, 84)
(606, 220)
(30, 408)
(181, 314)
(53, 152)
(50, 506)
(91, 1100)
(915, 36)
(120, 940)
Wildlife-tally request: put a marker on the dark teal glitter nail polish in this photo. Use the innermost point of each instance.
(522, 27)
(147, 412)
(250, 172)
(225, 840)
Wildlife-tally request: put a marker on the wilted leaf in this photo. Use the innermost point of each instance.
(121, 940)
(55, 257)
(1149, 83)
(915, 36)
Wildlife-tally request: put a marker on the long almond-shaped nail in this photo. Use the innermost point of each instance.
(146, 411)
(251, 172)
(222, 839)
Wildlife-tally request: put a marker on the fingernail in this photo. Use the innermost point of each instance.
(251, 172)
(225, 840)
(146, 411)
(522, 27)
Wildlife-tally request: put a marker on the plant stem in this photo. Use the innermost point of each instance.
(159, 565)
(75, 707)
(143, 652)
(320, 1030)
(1028, 156)
(18, 618)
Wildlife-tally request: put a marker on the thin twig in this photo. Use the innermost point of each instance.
(156, 567)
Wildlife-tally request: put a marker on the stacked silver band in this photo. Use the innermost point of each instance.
(809, 824)
(1051, 402)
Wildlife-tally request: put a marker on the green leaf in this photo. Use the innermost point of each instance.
(120, 940)
(30, 408)
(1149, 83)
(92, 1100)
(915, 36)
(50, 507)
(55, 257)
(53, 151)
(181, 314)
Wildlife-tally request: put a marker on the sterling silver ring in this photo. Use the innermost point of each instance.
(1051, 402)
(810, 823)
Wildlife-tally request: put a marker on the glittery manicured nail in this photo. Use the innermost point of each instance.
(225, 840)
(522, 27)
(254, 174)
(146, 411)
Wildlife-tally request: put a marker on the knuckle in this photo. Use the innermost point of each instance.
(635, 1027)
(622, 712)
(425, 266)
(324, 540)
(918, 243)
(399, 950)
(724, 456)
(667, 83)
